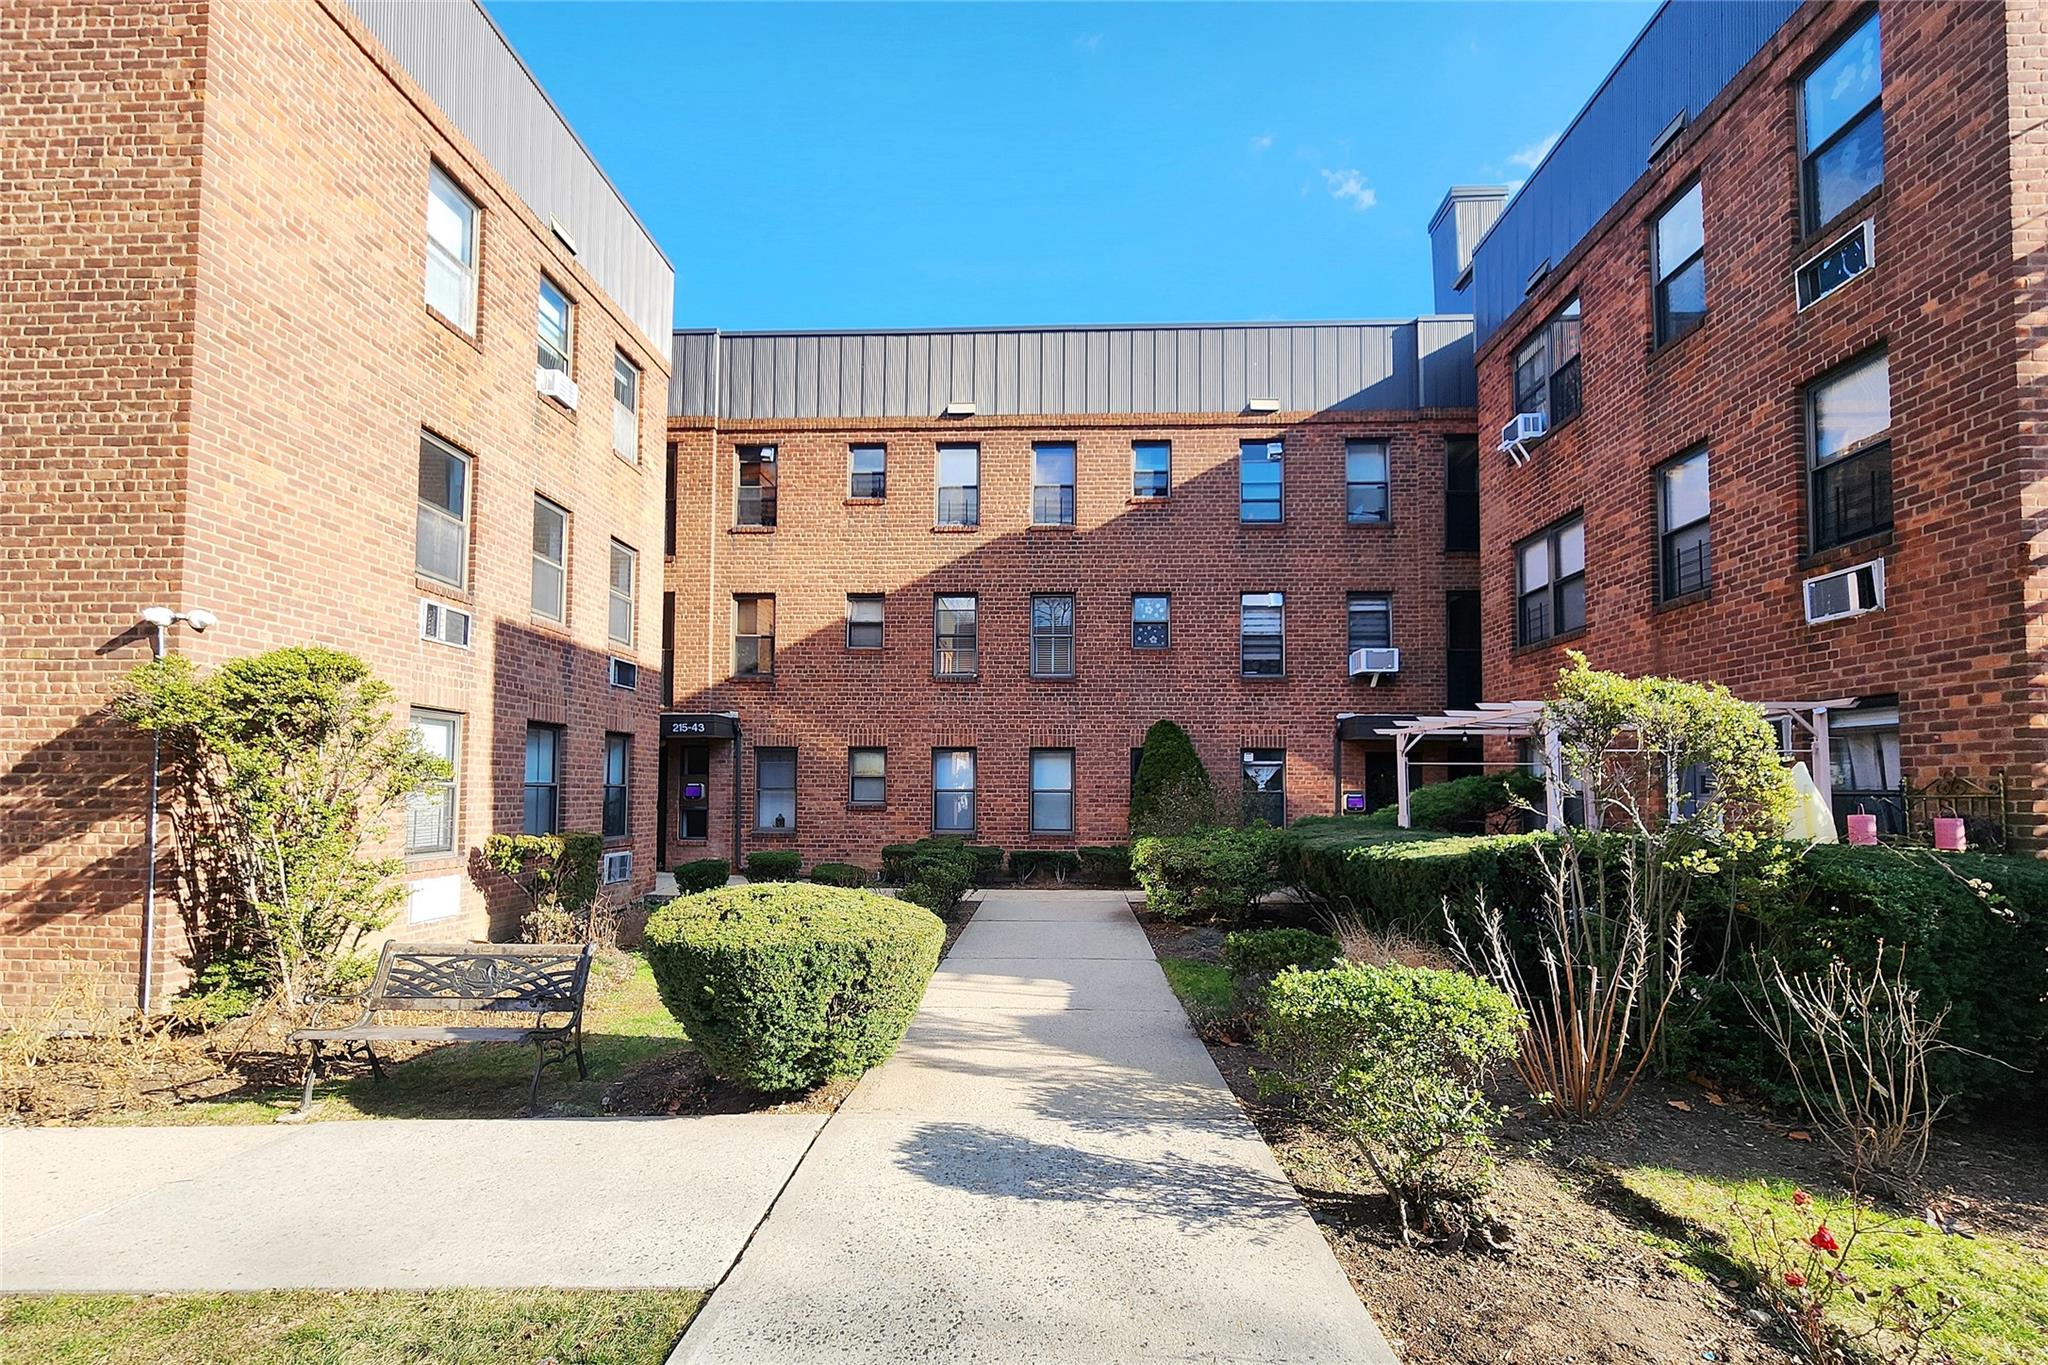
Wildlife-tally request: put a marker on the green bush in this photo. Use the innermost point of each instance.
(987, 863)
(774, 865)
(1107, 864)
(1171, 793)
(1266, 952)
(225, 988)
(558, 873)
(783, 986)
(1215, 874)
(701, 874)
(1400, 879)
(895, 862)
(984, 862)
(1463, 805)
(1058, 863)
(1394, 1061)
(840, 874)
(935, 873)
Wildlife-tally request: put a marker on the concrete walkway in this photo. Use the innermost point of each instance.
(404, 1204)
(1050, 1169)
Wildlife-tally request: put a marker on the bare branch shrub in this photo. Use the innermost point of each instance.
(1371, 947)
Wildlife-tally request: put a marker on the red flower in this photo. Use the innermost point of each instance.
(1801, 1199)
(1795, 1279)
(1824, 1240)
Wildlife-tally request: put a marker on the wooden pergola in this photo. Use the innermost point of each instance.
(1523, 720)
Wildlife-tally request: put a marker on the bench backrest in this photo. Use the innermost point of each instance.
(534, 978)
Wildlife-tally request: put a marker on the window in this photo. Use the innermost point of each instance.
(1461, 494)
(1863, 765)
(774, 789)
(753, 643)
(864, 620)
(1052, 791)
(1841, 126)
(953, 791)
(451, 251)
(959, 485)
(1685, 560)
(1260, 480)
(693, 809)
(1261, 630)
(550, 597)
(618, 763)
(1151, 469)
(1365, 482)
(1265, 786)
(867, 776)
(1552, 588)
(543, 813)
(1151, 620)
(955, 649)
(441, 544)
(1052, 636)
(1369, 621)
(556, 314)
(1849, 452)
(430, 812)
(1547, 368)
(757, 486)
(1680, 247)
(625, 407)
(867, 471)
(624, 590)
(1052, 484)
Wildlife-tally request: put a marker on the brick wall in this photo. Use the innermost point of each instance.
(824, 698)
(311, 365)
(1952, 641)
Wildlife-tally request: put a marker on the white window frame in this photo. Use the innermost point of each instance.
(1037, 791)
(629, 597)
(464, 319)
(626, 409)
(542, 564)
(429, 510)
(448, 790)
(551, 356)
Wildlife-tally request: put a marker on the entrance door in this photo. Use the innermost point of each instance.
(1380, 787)
(693, 793)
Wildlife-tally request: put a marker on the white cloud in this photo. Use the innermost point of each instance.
(1088, 42)
(1262, 142)
(1531, 155)
(1349, 187)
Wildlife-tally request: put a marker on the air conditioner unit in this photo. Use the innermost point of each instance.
(443, 623)
(1373, 662)
(625, 674)
(618, 867)
(1849, 592)
(1522, 429)
(555, 384)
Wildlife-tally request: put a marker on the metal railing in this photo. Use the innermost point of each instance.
(959, 507)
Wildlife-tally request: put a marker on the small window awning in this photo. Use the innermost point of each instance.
(700, 725)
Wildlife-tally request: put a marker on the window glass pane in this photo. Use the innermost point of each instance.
(864, 609)
(953, 770)
(1685, 491)
(1679, 233)
(953, 790)
(868, 471)
(540, 754)
(1371, 623)
(959, 466)
(774, 788)
(1535, 564)
(430, 813)
(620, 621)
(1851, 408)
(550, 529)
(1571, 605)
(1848, 170)
(444, 477)
(1260, 477)
(1571, 549)
(1150, 616)
(1564, 336)
(869, 762)
(451, 219)
(870, 459)
(1365, 462)
(625, 382)
(1052, 465)
(616, 749)
(1052, 769)
(1683, 300)
(1151, 468)
(554, 326)
(1849, 79)
(1264, 786)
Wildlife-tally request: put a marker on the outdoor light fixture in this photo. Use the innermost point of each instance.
(1262, 405)
(959, 407)
(160, 620)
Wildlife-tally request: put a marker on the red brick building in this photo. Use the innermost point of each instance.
(269, 352)
(1788, 374)
(966, 623)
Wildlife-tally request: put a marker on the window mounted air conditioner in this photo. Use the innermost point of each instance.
(1835, 264)
(1523, 429)
(1849, 592)
(555, 384)
(444, 624)
(1373, 662)
(625, 675)
(618, 867)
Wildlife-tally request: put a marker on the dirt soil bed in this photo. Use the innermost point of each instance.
(1598, 1274)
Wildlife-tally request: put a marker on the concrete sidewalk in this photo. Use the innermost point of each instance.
(1050, 1169)
(405, 1204)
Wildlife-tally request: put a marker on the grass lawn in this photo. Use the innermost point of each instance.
(1204, 988)
(355, 1327)
(2002, 1284)
(624, 1024)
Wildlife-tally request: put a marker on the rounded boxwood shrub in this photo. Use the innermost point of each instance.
(786, 985)
(840, 874)
(774, 865)
(1216, 874)
(702, 874)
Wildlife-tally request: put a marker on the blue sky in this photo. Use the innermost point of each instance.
(853, 165)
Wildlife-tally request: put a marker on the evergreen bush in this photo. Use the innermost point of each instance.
(1215, 874)
(1464, 805)
(1058, 863)
(1171, 793)
(701, 874)
(1107, 864)
(839, 874)
(774, 865)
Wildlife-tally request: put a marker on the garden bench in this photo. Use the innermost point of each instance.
(496, 979)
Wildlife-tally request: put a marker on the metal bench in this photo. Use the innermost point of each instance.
(537, 980)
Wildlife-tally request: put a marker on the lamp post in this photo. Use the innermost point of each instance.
(160, 620)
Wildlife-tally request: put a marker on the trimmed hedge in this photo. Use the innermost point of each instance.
(1059, 863)
(1216, 873)
(1107, 864)
(840, 874)
(1267, 952)
(1463, 805)
(1399, 879)
(774, 865)
(984, 862)
(702, 874)
(783, 986)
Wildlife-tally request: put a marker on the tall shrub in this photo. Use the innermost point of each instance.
(281, 773)
(1171, 793)
(558, 875)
